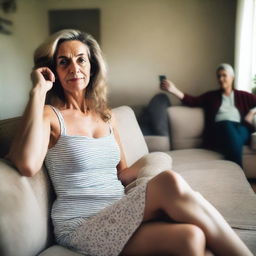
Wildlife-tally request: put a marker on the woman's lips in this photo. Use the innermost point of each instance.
(74, 79)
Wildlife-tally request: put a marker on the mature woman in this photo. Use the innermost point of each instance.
(78, 138)
(228, 113)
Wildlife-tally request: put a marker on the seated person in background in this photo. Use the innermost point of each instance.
(226, 128)
(78, 138)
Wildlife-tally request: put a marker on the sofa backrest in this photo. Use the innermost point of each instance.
(7, 130)
(132, 139)
(186, 127)
(25, 203)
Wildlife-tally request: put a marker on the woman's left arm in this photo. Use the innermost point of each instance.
(125, 174)
(250, 116)
(250, 101)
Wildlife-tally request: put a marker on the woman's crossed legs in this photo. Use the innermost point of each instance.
(194, 223)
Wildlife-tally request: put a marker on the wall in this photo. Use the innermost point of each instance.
(184, 39)
(16, 50)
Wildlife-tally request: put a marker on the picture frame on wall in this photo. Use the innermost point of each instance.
(86, 20)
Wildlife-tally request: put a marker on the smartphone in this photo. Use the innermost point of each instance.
(161, 78)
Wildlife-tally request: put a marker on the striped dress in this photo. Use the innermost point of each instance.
(91, 214)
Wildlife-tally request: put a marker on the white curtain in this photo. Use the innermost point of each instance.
(245, 44)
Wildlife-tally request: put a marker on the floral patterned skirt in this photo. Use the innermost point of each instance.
(106, 233)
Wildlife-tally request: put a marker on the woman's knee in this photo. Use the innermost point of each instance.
(163, 190)
(194, 241)
(172, 183)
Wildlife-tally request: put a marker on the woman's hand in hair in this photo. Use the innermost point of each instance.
(42, 78)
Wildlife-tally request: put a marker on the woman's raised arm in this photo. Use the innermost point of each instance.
(30, 144)
(170, 87)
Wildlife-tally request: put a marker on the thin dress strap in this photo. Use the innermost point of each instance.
(61, 120)
(111, 130)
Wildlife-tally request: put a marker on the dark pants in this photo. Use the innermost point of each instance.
(229, 138)
(154, 118)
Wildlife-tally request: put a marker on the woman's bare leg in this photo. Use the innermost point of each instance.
(168, 192)
(162, 238)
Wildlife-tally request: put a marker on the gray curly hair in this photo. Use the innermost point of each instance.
(226, 67)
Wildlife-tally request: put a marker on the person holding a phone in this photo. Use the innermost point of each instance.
(77, 137)
(226, 128)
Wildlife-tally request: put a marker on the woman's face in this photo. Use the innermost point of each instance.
(73, 66)
(225, 79)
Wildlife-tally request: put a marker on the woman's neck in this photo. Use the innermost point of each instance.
(76, 101)
(227, 91)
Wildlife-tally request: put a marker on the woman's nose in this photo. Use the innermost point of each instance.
(74, 67)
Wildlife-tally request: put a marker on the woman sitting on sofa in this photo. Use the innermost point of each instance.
(78, 138)
(228, 113)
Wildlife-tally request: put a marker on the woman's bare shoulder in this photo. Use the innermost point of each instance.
(49, 115)
(48, 110)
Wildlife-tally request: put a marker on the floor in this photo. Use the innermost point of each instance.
(253, 184)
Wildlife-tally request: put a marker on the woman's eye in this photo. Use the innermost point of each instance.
(63, 62)
(82, 60)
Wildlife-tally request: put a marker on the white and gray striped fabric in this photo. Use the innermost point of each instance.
(84, 176)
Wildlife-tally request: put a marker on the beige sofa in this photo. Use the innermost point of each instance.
(25, 203)
(185, 141)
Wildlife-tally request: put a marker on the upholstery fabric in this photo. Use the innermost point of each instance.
(57, 250)
(7, 131)
(224, 184)
(196, 155)
(150, 165)
(24, 212)
(186, 127)
(131, 136)
(157, 143)
(253, 141)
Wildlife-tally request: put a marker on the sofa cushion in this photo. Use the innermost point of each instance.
(195, 156)
(186, 127)
(249, 162)
(7, 130)
(157, 143)
(131, 136)
(253, 141)
(58, 250)
(25, 219)
(149, 166)
(248, 236)
(224, 184)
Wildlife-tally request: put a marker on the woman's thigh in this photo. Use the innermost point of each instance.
(231, 132)
(163, 238)
(244, 133)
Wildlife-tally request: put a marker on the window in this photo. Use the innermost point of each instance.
(245, 45)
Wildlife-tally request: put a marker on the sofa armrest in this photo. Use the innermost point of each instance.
(157, 143)
(24, 212)
(253, 141)
(150, 165)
